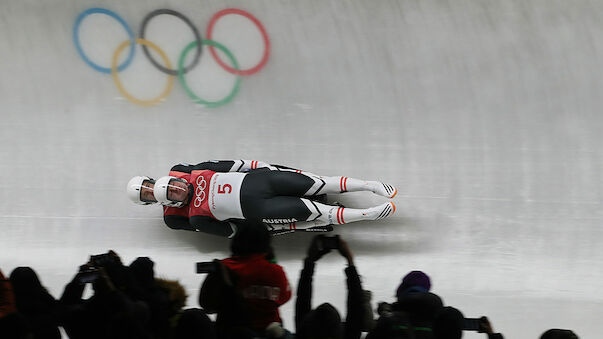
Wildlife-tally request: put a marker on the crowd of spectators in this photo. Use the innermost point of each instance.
(244, 292)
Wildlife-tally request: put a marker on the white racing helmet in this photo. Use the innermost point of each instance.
(134, 189)
(162, 192)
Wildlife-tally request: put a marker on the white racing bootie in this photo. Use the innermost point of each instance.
(334, 215)
(332, 185)
(384, 190)
(347, 215)
(338, 215)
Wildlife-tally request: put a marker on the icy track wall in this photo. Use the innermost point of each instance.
(486, 116)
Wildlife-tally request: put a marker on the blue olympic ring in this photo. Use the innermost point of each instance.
(76, 38)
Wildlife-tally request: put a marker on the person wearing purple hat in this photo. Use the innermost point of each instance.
(414, 282)
(415, 310)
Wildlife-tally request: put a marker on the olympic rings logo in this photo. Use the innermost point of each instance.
(167, 65)
(200, 191)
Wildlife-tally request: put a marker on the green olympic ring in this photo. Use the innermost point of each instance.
(191, 94)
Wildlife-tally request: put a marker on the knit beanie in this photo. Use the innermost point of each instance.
(142, 269)
(322, 322)
(415, 281)
(194, 323)
(251, 238)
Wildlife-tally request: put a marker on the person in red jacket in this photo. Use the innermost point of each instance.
(246, 289)
(215, 196)
(7, 297)
(12, 323)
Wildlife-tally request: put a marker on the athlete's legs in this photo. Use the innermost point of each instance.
(275, 198)
(330, 185)
(337, 215)
(277, 183)
(345, 184)
(304, 213)
(278, 210)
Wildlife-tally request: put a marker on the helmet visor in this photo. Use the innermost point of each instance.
(146, 191)
(177, 190)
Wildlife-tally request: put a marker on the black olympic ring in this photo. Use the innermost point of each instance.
(157, 12)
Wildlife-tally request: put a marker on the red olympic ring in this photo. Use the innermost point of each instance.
(242, 72)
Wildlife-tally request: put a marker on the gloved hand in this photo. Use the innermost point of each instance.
(384, 309)
(485, 326)
(345, 252)
(316, 250)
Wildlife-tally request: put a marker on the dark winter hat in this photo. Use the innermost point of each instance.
(194, 323)
(251, 238)
(31, 298)
(25, 281)
(142, 269)
(322, 322)
(555, 333)
(415, 281)
(448, 324)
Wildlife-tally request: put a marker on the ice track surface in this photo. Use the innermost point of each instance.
(485, 115)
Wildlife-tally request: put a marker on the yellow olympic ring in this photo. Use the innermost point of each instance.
(122, 90)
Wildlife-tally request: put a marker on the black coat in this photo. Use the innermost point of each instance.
(355, 311)
(40, 310)
(410, 317)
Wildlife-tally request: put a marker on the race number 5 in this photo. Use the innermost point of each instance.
(222, 189)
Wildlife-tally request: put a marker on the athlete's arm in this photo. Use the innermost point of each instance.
(200, 223)
(178, 222)
(291, 169)
(207, 224)
(223, 166)
(184, 168)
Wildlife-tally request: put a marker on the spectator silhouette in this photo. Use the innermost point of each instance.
(246, 289)
(110, 312)
(556, 333)
(325, 321)
(193, 323)
(12, 323)
(39, 309)
(157, 298)
(7, 297)
(190, 323)
(414, 312)
(449, 324)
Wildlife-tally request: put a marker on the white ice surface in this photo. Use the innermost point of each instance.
(485, 114)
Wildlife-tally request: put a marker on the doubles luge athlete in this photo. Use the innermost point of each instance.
(218, 196)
